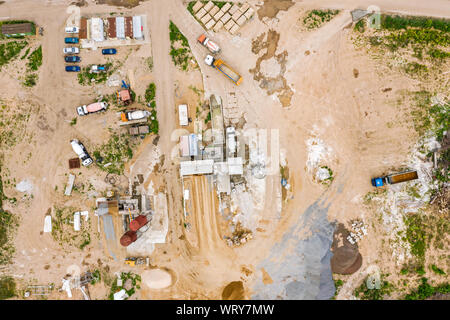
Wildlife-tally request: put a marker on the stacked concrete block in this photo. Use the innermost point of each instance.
(234, 29)
(241, 20)
(200, 13)
(244, 7)
(249, 13)
(236, 15)
(213, 11)
(233, 9)
(210, 24)
(218, 15)
(197, 6)
(217, 26)
(229, 25)
(225, 18)
(205, 18)
(226, 7)
(209, 6)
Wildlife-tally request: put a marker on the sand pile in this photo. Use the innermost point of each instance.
(156, 278)
(233, 291)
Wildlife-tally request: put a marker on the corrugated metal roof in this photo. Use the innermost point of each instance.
(138, 30)
(83, 28)
(97, 29)
(111, 27)
(235, 165)
(120, 27)
(129, 27)
(17, 28)
(196, 167)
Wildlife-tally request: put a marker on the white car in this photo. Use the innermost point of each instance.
(81, 151)
(138, 114)
(72, 29)
(71, 50)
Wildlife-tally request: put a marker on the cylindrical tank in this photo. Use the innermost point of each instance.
(138, 223)
(128, 238)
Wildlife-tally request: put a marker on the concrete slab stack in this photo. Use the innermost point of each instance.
(200, 13)
(197, 6)
(205, 18)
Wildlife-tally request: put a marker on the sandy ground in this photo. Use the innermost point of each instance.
(347, 113)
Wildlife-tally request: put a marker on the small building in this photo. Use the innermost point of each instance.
(120, 28)
(183, 114)
(129, 27)
(18, 29)
(82, 34)
(112, 29)
(235, 166)
(184, 146)
(196, 167)
(193, 145)
(124, 96)
(97, 31)
(138, 29)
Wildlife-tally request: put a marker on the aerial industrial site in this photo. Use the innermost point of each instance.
(224, 150)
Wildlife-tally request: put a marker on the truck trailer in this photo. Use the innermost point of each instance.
(220, 65)
(395, 178)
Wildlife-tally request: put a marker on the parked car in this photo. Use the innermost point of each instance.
(71, 40)
(73, 68)
(72, 59)
(70, 50)
(81, 151)
(109, 51)
(72, 29)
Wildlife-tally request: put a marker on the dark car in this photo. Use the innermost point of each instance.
(109, 51)
(73, 68)
(71, 40)
(72, 59)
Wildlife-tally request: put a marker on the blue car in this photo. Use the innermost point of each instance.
(72, 59)
(109, 51)
(71, 40)
(73, 68)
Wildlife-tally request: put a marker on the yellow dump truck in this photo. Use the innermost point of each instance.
(220, 65)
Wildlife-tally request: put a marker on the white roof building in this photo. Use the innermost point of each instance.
(235, 166)
(97, 32)
(196, 167)
(120, 27)
(138, 29)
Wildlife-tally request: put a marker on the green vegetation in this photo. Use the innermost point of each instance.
(114, 153)
(372, 194)
(416, 235)
(13, 121)
(8, 225)
(330, 179)
(422, 41)
(425, 290)
(86, 77)
(437, 270)
(63, 232)
(361, 26)
(150, 93)
(25, 54)
(7, 287)
(30, 80)
(182, 54)
(135, 281)
(316, 18)
(150, 63)
(73, 122)
(208, 118)
(35, 59)
(365, 293)
(337, 284)
(10, 50)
